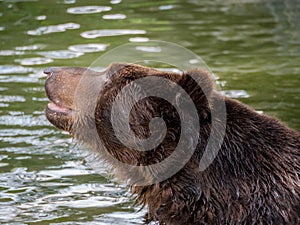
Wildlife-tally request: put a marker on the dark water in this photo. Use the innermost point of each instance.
(252, 46)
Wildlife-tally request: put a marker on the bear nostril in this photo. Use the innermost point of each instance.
(48, 71)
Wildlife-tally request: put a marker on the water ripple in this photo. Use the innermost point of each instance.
(30, 47)
(115, 1)
(84, 48)
(235, 93)
(41, 17)
(88, 9)
(114, 17)
(18, 79)
(22, 120)
(69, 1)
(12, 98)
(54, 29)
(3, 164)
(11, 52)
(107, 33)
(45, 207)
(3, 105)
(61, 54)
(166, 7)
(148, 48)
(34, 61)
(139, 39)
(8, 213)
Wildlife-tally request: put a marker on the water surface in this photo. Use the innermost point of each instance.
(252, 46)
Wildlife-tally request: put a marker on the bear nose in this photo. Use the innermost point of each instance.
(48, 71)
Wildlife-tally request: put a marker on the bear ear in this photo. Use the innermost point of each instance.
(198, 83)
(115, 68)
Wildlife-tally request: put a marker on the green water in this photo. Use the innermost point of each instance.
(252, 46)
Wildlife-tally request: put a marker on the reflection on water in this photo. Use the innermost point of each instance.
(236, 93)
(13, 69)
(109, 33)
(114, 17)
(61, 54)
(88, 47)
(88, 9)
(33, 61)
(148, 49)
(252, 46)
(139, 39)
(54, 29)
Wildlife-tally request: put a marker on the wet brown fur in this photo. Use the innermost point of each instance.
(253, 180)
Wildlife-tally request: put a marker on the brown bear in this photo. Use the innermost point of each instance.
(253, 179)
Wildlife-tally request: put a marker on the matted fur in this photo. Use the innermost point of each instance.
(254, 179)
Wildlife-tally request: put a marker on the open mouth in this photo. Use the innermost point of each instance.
(57, 108)
(59, 116)
(62, 86)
